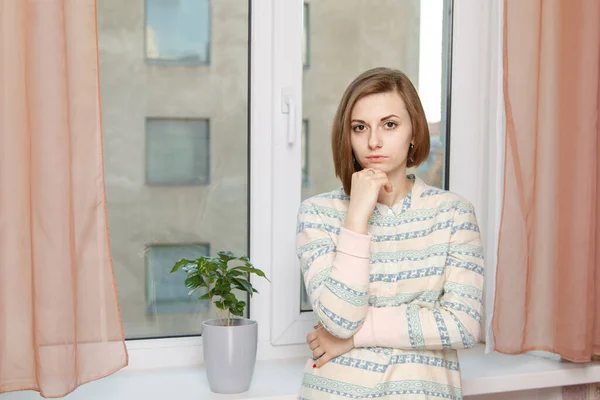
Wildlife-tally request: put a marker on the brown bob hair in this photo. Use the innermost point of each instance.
(374, 81)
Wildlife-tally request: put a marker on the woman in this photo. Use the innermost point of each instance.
(393, 267)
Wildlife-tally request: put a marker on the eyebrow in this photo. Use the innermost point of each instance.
(382, 119)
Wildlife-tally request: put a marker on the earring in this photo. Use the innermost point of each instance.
(410, 150)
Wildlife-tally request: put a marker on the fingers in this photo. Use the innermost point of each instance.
(324, 359)
(372, 172)
(375, 174)
(314, 344)
(318, 352)
(313, 334)
(384, 183)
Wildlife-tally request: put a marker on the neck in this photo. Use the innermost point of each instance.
(401, 186)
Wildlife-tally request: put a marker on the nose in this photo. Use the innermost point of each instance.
(374, 140)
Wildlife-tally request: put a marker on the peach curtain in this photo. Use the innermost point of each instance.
(60, 324)
(548, 275)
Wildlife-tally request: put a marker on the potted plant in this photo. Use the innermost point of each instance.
(229, 343)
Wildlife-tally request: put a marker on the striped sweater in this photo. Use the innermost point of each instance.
(410, 292)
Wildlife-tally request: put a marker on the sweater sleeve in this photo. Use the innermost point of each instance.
(336, 275)
(455, 321)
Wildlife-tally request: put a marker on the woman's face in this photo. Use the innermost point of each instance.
(381, 132)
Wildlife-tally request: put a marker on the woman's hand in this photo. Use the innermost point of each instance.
(325, 346)
(366, 185)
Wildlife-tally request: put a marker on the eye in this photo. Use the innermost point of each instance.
(359, 128)
(391, 125)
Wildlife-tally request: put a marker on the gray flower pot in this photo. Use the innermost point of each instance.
(229, 354)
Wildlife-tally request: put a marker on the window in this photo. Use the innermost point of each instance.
(415, 30)
(305, 147)
(164, 292)
(304, 300)
(178, 31)
(219, 212)
(177, 152)
(179, 178)
(461, 30)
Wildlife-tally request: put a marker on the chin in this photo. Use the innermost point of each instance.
(385, 168)
(380, 167)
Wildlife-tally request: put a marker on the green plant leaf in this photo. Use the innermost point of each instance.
(225, 255)
(194, 282)
(190, 267)
(220, 305)
(180, 264)
(210, 266)
(205, 296)
(245, 269)
(253, 270)
(230, 297)
(223, 286)
(235, 272)
(220, 276)
(237, 312)
(238, 308)
(240, 288)
(247, 286)
(203, 266)
(216, 275)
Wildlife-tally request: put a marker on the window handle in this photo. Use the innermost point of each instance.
(288, 107)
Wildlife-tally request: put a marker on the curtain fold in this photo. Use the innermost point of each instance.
(60, 324)
(548, 273)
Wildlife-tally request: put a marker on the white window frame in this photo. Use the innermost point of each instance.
(478, 127)
(265, 17)
(275, 172)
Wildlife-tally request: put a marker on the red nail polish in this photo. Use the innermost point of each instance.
(314, 365)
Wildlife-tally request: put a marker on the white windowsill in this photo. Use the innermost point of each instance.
(497, 373)
(280, 379)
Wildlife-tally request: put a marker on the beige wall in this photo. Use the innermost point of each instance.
(346, 37)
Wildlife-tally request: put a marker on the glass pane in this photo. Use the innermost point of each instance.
(165, 293)
(178, 31)
(305, 142)
(306, 37)
(175, 152)
(347, 38)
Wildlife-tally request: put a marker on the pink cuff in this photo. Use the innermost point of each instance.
(386, 322)
(382, 328)
(352, 260)
(355, 244)
(365, 336)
